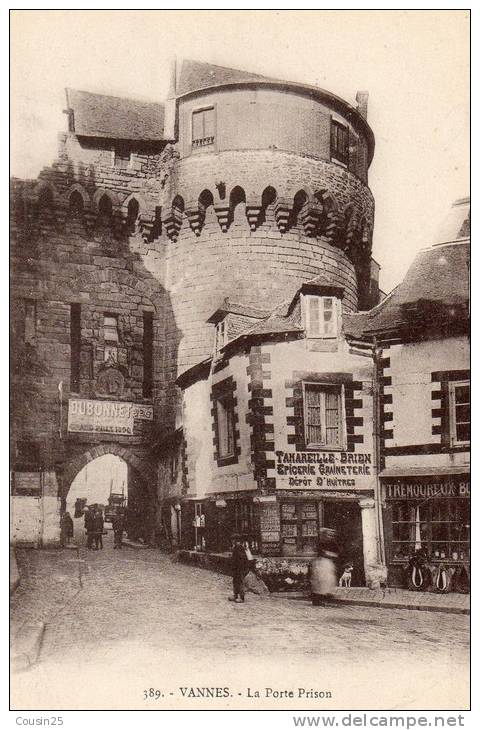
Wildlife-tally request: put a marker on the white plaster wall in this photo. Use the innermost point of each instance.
(411, 366)
(289, 357)
(204, 475)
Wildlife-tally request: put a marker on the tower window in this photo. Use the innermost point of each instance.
(203, 128)
(321, 316)
(122, 157)
(339, 142)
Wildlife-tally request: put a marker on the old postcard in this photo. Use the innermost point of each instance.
(240, 385)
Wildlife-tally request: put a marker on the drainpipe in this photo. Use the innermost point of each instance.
(377, 428)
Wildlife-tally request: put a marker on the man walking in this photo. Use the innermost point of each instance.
(239, 565)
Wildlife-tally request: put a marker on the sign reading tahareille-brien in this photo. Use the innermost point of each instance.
(323, 470)
(100, 416)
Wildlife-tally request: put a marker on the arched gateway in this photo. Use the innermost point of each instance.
(141, 485)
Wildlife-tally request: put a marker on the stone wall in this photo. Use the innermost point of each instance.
(67, 250)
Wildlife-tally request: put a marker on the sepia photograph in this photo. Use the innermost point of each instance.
(240, 360)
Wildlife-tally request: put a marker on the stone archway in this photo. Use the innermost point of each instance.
(142, 470)
(141, 508)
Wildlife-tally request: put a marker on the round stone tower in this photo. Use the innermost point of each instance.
(269, 190)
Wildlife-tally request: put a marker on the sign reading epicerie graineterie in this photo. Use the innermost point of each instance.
(99, 416)
(323, 470)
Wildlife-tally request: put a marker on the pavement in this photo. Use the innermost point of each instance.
(389, 597)
(135, 629)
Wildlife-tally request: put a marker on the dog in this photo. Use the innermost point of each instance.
(346, 577)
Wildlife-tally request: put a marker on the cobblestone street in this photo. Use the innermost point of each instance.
(121, 622)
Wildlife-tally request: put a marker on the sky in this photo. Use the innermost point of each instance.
(414, 63)
(96, 479)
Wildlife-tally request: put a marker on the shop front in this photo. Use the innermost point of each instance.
(210, 524)
(427, 530)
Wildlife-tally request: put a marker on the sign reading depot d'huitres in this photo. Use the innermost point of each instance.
(323, 470)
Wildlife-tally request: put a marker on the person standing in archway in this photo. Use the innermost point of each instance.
(98, 529)
(118, 526)
(90, 527)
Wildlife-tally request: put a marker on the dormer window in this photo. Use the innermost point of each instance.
(221, 335)
(321, 316)
(203, 128)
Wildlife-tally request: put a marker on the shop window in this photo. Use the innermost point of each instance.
(203, 128)
(321, 316)
(221, 334)
(324, 415)
(30, 321)
(339, 142)
(439, 526)
(110, 336)
(244, 523)
(299, 528)
(199, 524)
(459, 393)
(226, 426)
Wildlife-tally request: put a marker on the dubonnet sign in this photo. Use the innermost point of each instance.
(99, 416)
(323, 470)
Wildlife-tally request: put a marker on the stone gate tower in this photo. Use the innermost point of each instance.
(270, 189)
(237, 186)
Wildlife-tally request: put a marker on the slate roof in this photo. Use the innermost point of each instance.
(435, 286)
(229, 307)
(113, 117)
(195, 75)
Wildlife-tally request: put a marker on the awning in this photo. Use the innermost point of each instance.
(424, 471)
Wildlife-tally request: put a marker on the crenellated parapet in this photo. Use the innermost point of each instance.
(316, 215)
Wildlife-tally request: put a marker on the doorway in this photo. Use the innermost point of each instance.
(345, 517)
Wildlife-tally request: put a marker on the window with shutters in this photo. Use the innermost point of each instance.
(339, 142)
(203, 128)
(459, 412)
(324, 415)
(321, 316)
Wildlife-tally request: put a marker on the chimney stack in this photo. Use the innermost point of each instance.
(362, 103)
(170, 120)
